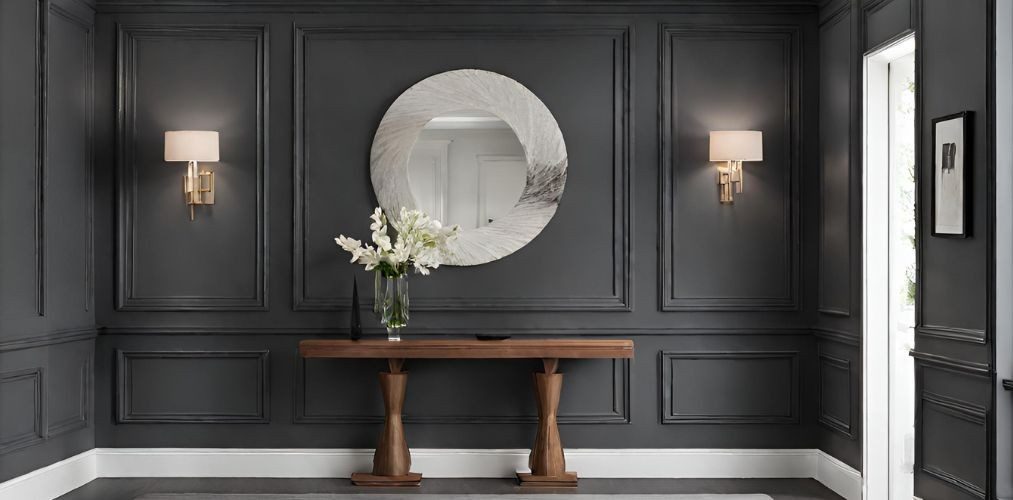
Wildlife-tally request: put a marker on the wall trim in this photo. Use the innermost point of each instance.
(825, 418)
(74, 472)
(841, 13)
(80, 419)
(668, 298)
(839, 336)
(54, 480)
(124, 381)
(971, 335)
(619, 300)
(667, 395)
(38, 432)
(127, 36)
(51, 338)
(963, 410)
(41, 149)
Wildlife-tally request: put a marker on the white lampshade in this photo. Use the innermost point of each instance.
(736, 145)
(191, 145)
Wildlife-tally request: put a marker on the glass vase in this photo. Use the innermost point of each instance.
(395, 305)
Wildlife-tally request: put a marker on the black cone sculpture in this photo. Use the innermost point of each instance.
(355, 329)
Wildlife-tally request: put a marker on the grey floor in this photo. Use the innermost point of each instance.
(128, 489)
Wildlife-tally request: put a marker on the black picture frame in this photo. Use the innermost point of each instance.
(966, 167)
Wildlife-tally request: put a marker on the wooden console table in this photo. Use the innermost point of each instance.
(392, 461)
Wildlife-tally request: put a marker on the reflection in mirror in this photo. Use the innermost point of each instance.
(467, 168)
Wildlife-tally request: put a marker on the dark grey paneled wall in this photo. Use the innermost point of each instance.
(955, 427)
(838, 277)
(46, 280)
(297, 165)
(954, 353)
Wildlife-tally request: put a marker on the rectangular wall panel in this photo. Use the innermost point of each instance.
(69, 213)
(22, 240)
(729, 387)
(954, 443)
(836, 143)
(885, 20)
(192, 78)
(192, 386)
(68, 397)
(335, 116)
(717, 257)
(836, 394)
(22, 409)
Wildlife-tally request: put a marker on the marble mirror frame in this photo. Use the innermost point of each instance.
(531, 121)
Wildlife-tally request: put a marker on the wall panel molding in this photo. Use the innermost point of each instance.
(619, 413)
(670, 300)
(838, 423)
(80, 419)
(126, 48)
(51, 338)
(838, 336)
(969, 335)
(126, 413)
(38, 432)
(619, 300)
(968, 412)
(841, 15)
(58, 12)
(669, 397)
(41, 153)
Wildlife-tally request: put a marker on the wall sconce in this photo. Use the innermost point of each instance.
(734, 147)
(193, 146)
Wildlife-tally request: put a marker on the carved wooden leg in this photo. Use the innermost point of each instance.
(548, 465)
(392, 461)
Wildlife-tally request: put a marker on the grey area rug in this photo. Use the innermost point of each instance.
(427, 496)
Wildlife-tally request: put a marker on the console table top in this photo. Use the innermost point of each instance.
(467, 348)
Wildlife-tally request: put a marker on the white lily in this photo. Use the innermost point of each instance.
(421, 243)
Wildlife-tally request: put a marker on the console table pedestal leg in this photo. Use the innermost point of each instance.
(547, 463)
(392, 461)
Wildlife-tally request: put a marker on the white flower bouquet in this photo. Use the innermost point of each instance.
(421, 243)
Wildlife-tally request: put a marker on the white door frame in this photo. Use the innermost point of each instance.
(876, 465)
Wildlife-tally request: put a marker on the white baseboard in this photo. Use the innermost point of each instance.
(838, 476)
(61, 477)
(53, 480)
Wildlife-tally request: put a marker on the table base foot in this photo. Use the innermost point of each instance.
(366, 479)
(567, 480)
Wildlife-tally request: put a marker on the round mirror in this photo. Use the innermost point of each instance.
(472, 148)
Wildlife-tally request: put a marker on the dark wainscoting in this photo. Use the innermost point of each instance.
(24, 418)
(729, 387)
(336, 403)
(46, 395)
(955, 351)
(46, 249)
(192, 386)
(953, 426)
(836, 394)
(594, 270)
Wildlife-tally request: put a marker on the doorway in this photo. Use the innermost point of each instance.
(890, 274)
